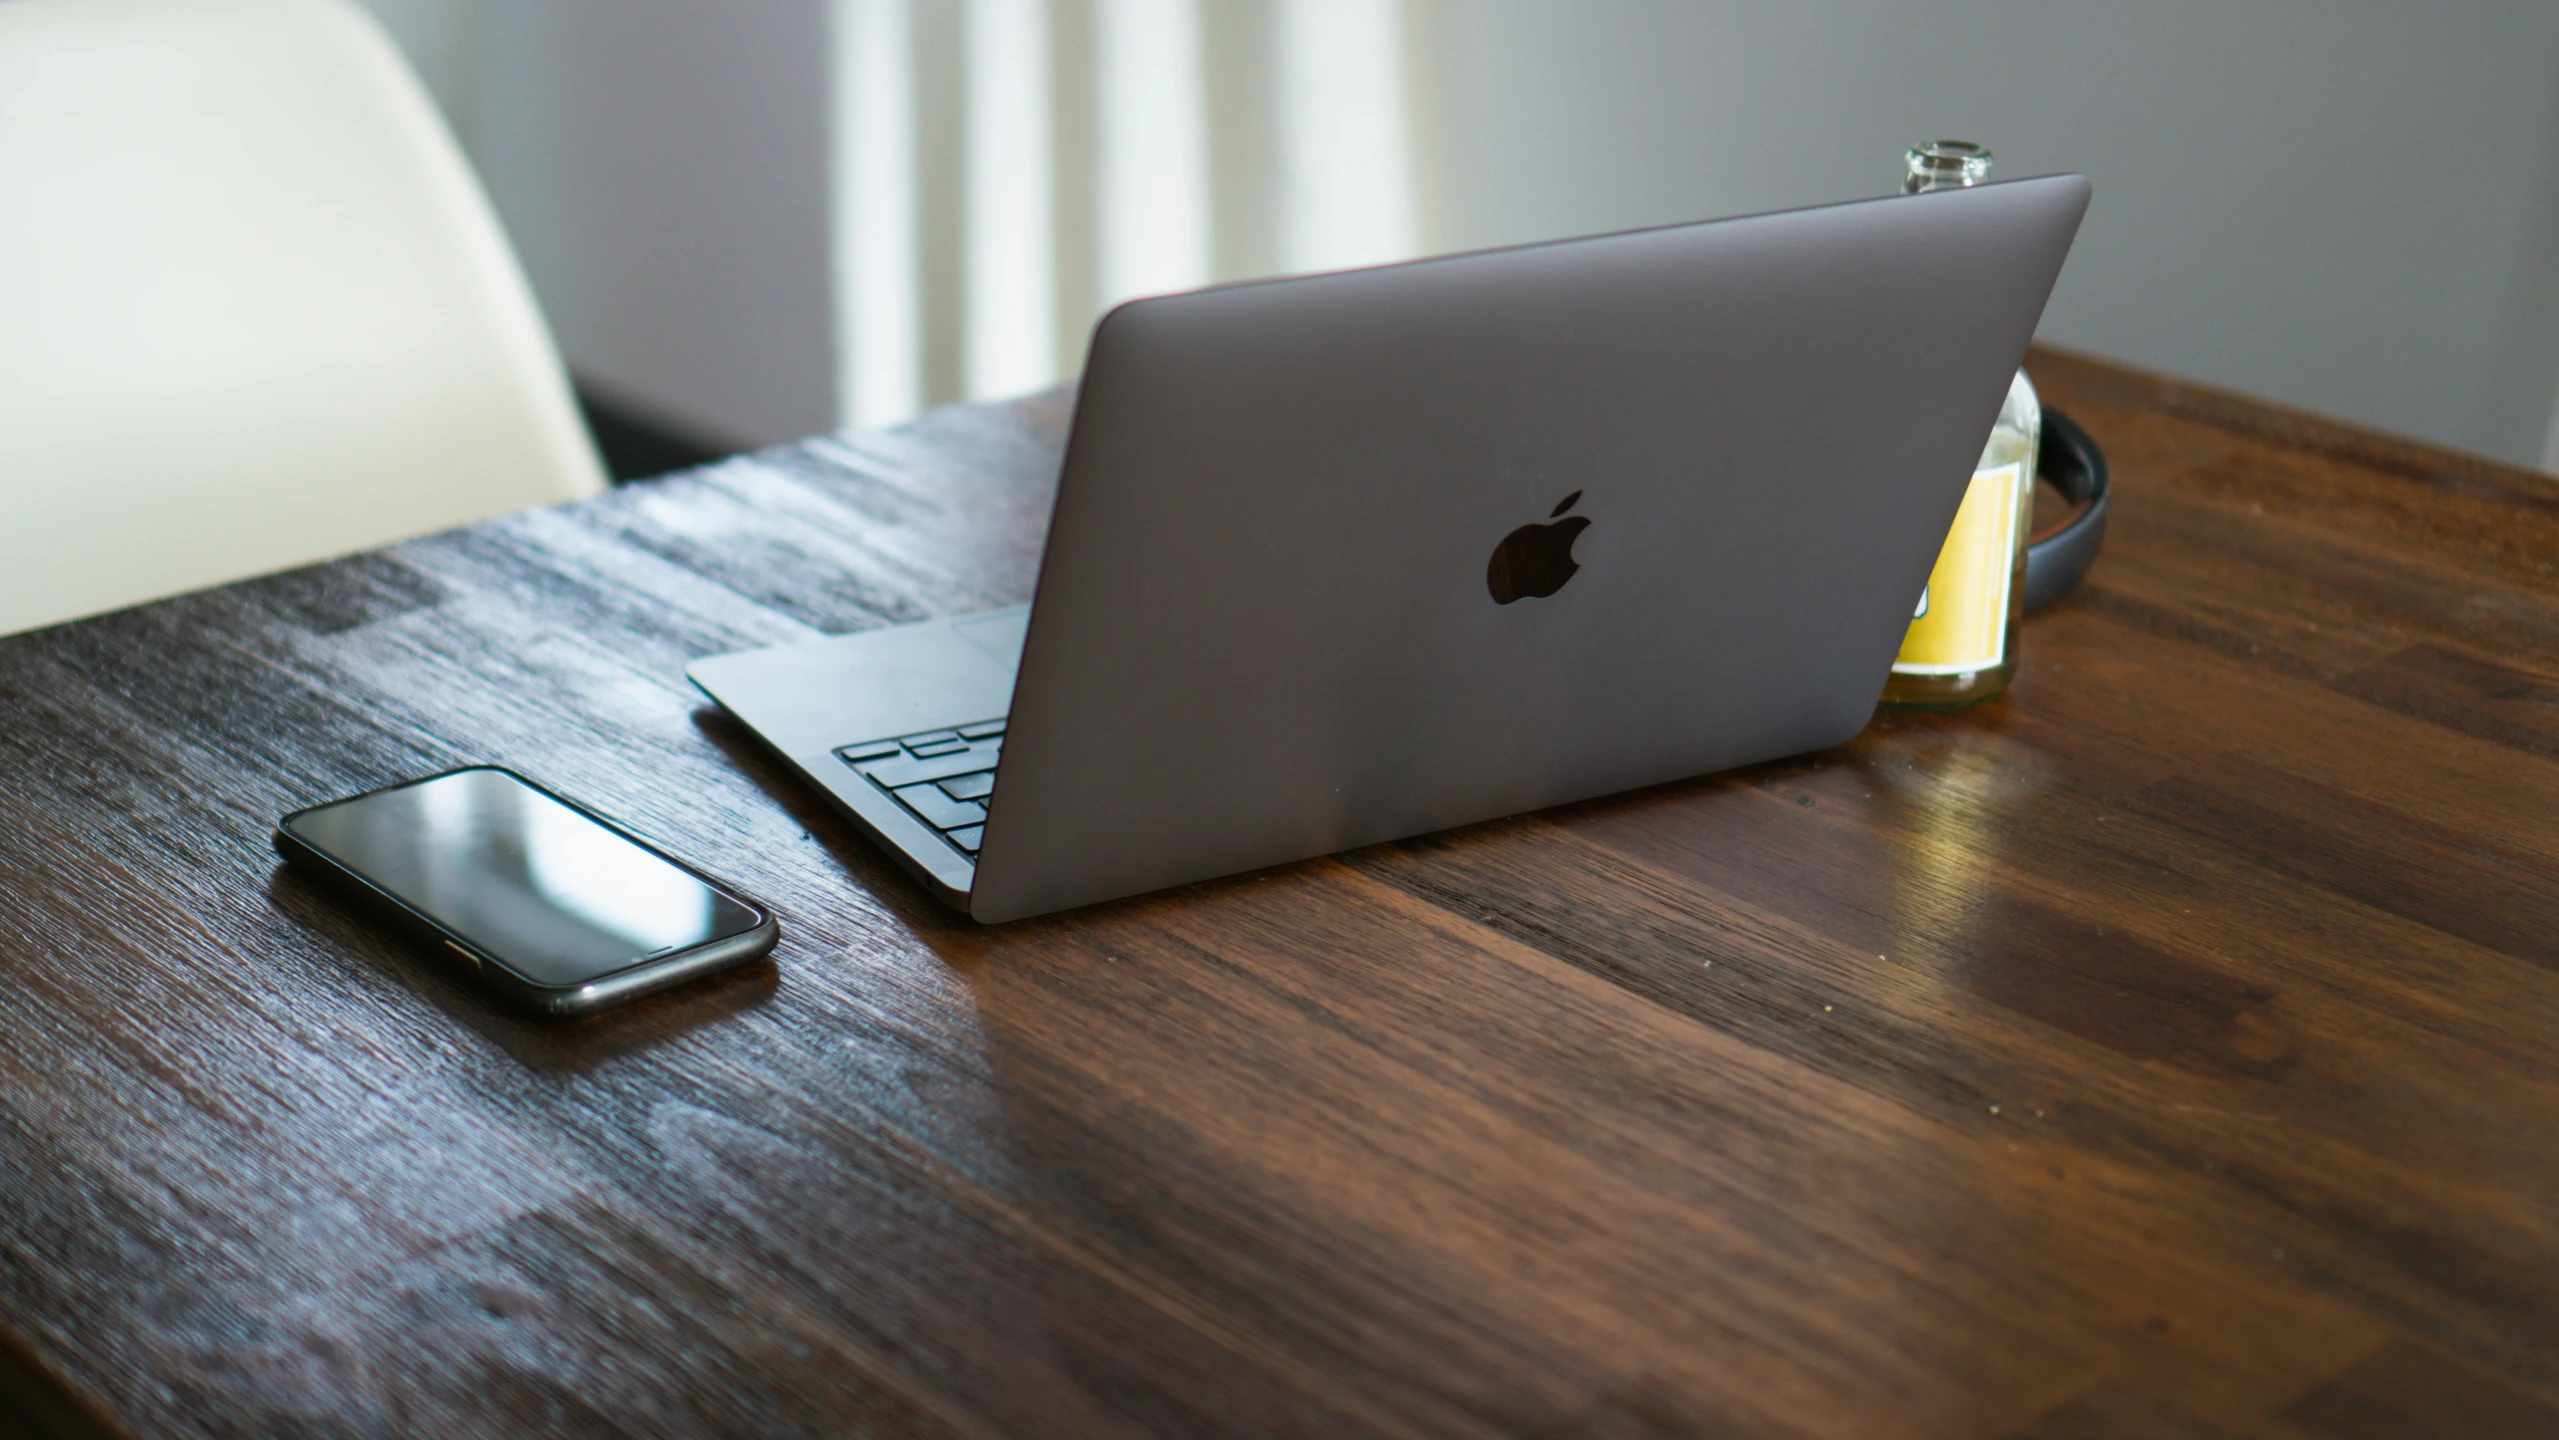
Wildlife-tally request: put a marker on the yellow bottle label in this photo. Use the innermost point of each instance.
(1962, 624)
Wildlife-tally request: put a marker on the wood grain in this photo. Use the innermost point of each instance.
(2161, 1051)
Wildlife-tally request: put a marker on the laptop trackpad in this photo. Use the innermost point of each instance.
(1000, 635)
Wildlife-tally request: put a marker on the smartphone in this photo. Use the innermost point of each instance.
(556, 909)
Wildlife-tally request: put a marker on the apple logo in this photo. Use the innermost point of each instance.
(1536, 560)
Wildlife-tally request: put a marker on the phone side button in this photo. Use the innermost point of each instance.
(465, 954)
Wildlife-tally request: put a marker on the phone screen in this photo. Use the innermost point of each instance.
(531, 882)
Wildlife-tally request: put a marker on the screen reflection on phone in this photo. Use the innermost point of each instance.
(549, 892)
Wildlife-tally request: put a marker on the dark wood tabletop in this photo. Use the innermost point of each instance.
(2170, 1049)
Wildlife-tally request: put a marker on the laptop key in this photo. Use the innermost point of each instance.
(898, 770)
(970, 787)
(875, 750)
(928, 737)
(951, 746)
(982, 730)
(939, 810)
(967, 839)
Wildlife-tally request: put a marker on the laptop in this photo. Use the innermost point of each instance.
(1344, 558)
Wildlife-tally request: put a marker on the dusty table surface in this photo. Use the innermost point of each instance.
(2166, 1050)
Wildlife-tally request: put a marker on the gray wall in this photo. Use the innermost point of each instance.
(2346, 205)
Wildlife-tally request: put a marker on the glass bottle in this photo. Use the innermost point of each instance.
(1962, 645)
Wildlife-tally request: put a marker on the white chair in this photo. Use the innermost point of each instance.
(254, 308)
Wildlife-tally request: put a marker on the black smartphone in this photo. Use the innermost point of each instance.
(548, 904)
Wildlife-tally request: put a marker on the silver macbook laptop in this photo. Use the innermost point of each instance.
(1350, 557)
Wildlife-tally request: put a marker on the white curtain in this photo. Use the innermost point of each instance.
(1005, 170)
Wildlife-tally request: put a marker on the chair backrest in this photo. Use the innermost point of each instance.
(255, 310)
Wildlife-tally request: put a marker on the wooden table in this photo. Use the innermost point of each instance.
(2165, 1051)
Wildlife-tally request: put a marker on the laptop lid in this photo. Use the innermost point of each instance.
(1266, 624)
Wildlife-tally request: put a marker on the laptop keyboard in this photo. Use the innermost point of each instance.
(942, 777)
